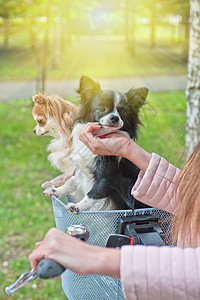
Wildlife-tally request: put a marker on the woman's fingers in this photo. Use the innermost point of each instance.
(35, 257)
(86, 134)
(42, 248)
(87, 137)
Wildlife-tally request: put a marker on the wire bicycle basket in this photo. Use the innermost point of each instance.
(100, 224)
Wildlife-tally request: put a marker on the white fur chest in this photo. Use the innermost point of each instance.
(81, 155)
(83, 159)
(59, 154)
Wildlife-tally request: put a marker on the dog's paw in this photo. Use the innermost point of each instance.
(46, 184)
(50, 192)
(73, 208)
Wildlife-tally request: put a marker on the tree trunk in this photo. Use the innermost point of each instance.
(193, 82)
(127, 12)
(6, 26)
(153, 24)
(57, 44)
(186, 41)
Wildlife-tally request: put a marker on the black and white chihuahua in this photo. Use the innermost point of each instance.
(105, 181)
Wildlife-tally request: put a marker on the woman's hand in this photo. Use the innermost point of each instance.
(76, 255)
(113, 143)
(104, 141)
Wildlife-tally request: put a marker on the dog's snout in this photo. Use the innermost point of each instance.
(34, 130)
(114, 119)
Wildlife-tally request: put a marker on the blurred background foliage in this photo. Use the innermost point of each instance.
(41, 39)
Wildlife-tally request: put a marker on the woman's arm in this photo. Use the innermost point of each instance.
(146, 272)
(76, 255)
(137, 155)
(149, 272)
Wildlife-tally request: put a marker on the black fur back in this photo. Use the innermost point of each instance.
(115, 179)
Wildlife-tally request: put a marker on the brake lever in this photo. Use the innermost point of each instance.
(47, 268)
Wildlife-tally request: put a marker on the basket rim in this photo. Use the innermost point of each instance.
(141, 211)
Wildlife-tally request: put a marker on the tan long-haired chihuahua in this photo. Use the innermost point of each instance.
(54, 117)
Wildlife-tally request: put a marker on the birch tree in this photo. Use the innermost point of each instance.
(193, 81)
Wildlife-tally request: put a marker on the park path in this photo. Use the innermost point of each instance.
(66, 88)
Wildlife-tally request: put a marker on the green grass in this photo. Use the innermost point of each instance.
(164, 119)
(26, 214)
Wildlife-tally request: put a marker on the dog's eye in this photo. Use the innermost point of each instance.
(102, 108)
(40, 121)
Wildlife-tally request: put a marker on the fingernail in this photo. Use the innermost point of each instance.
(37, 244)
(96, 123)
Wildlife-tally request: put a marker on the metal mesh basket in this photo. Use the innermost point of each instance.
(100, 225)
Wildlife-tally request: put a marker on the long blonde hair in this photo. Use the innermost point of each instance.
(186, 220)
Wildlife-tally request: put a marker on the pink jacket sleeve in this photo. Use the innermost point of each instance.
(149, 272)
(155, 186)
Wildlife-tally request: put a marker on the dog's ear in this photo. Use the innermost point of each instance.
(88, 87)
(137, 96)
(40, 99)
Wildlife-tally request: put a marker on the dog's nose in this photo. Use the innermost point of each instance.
(114, 119)
(34, 130)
